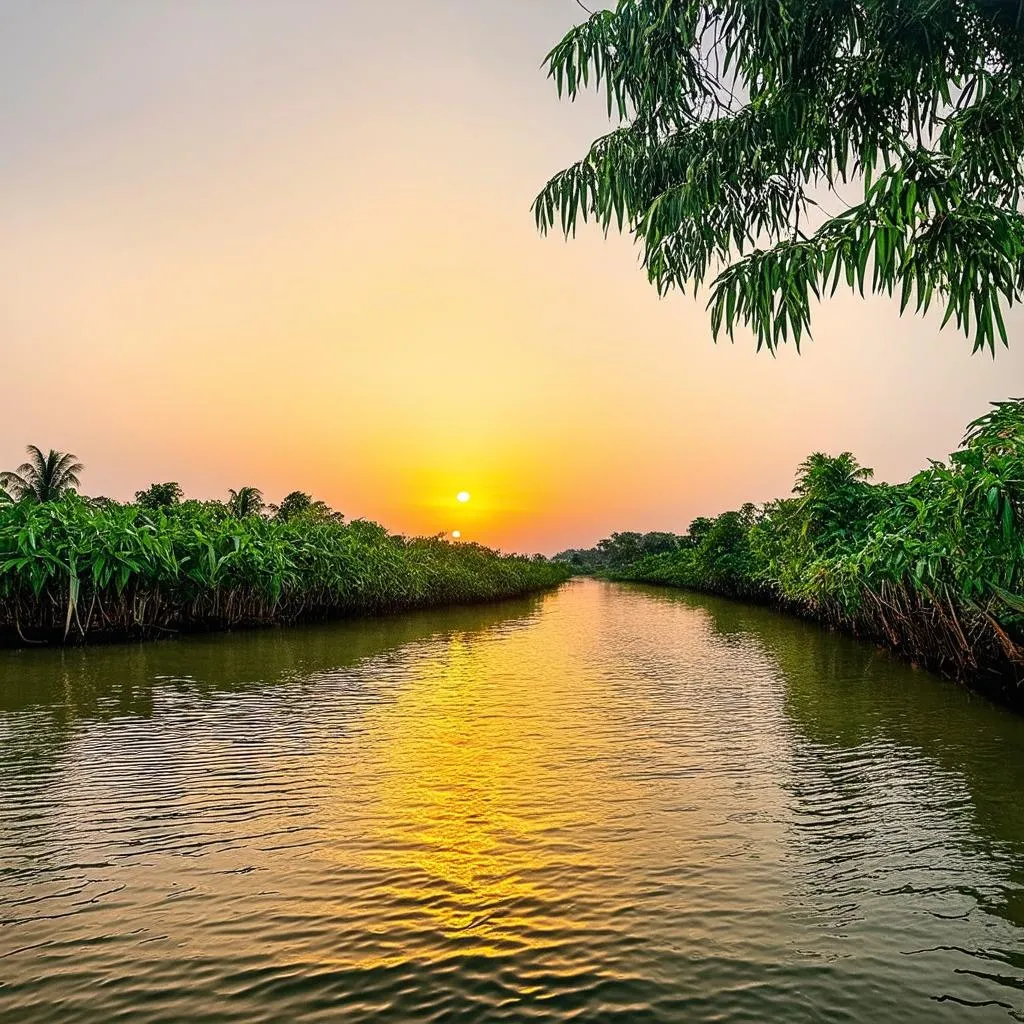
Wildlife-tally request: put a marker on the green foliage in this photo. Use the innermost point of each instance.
(744, 123)
(43, 477)
(73, 569)
(617, 551)
(246, 501)
(933, 567)
(160, 496)
(298, 503)
(714, 555)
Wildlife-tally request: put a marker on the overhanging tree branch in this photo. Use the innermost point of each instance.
(737, 116)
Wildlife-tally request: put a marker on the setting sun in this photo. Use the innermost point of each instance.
(733, 652)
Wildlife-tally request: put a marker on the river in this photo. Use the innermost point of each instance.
(608, 803)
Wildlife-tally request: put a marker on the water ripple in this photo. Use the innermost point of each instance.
(609, 804)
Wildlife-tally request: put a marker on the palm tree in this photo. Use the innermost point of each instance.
(43, 477)
(246, 501)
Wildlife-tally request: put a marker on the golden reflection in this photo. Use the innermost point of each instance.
(501, 792)
(473, 814)
(467, 783)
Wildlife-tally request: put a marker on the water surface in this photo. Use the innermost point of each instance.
(607, 804)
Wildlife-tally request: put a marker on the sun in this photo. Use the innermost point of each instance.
(463, 496)
(456, 534)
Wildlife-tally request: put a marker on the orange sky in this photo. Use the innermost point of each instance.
(289, 244)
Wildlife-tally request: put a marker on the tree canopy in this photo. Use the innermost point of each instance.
(784, 149)
(44, 477)
(165, 495)
(299, 503)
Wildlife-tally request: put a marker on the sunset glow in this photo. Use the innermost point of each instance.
(218, 269)
(492, 526)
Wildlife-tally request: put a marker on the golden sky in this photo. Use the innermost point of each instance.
(289, 244)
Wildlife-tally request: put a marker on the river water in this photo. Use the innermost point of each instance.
(609, 803)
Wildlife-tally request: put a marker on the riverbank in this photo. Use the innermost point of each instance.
(932, 568)
(76, 570)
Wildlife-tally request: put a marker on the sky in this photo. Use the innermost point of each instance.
(288, 243)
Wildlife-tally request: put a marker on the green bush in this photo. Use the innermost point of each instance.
(72, 568)
(933, 567)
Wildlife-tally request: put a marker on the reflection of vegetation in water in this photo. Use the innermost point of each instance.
(844, 695)
(45, 693)
(933, 568)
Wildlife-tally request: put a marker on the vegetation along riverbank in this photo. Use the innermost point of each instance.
(75, 568)
(933, 568)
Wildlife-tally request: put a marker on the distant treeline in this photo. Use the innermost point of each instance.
(619, 551)
(933, 568)
(75, 568)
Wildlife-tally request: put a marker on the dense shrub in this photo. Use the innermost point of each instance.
(72, 568)
(933, 568)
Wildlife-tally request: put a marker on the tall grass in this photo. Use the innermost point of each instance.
(72, 569)
(933, 568)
